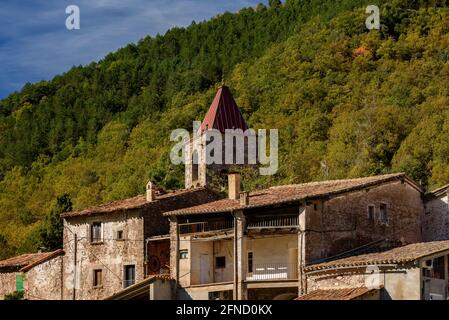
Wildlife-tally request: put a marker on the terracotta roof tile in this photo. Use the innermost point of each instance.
(399, 255)
(27, 261)
(134, 203)
(337, 294)
(292, 193)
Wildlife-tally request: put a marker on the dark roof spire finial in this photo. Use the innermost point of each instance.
(223, 80)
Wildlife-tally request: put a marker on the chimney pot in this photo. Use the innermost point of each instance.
(244, 198)
(234, 186)
(151, 192)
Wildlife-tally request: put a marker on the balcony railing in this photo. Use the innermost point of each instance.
(207, 226)
(274, 271)
(274, 222)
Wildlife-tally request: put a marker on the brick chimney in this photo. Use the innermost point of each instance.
(234, 186)
(244, 198)
(151, 192)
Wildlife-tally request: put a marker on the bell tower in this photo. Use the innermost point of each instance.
(201, 169)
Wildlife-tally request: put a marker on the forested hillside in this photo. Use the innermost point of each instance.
(348, 102)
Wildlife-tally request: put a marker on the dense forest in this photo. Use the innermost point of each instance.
(348, 102)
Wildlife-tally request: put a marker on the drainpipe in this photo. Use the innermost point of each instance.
(301, 267)
(146, 257)
(235, 257)
(75, 266)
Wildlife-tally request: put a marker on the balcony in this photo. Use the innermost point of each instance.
(273, 271)
(278, 222)
(207, 226)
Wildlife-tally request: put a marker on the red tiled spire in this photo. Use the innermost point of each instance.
(223, 113)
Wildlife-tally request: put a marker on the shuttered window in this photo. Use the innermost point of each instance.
(19, 283)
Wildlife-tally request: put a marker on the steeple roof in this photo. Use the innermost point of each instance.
(223, 113)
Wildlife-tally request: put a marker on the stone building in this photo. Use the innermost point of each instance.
(436, 215)
(114, 246)
(255, 245)
(38, 276)
(417, 271)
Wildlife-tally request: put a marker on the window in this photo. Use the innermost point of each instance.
(19, 283)
(98, 278)
(220, 262)
(434, 268)
(371, 213)
(119, 235)
(383, 213)
(250, 262)
(195, 167)
(96, 232)
(183, 254)
(129, 276)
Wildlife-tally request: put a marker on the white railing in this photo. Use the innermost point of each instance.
(198, 227)
(273, 271)
(274, 222)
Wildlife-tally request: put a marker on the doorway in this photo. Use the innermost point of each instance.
(204, 269)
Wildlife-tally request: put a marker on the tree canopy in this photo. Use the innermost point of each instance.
(348, 102)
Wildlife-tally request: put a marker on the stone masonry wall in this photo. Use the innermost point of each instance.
(111, 255)
(7, 283)
(44, 281)
(341, 224)
(436, 219)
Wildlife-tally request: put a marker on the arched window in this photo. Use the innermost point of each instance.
(195, 168)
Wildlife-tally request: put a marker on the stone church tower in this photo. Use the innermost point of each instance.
(202, 169)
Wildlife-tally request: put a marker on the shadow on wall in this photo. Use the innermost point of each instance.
(384, 295)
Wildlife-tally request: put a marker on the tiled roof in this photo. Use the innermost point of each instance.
(293, 193)
(223, 113)
(442, 191)
(337, 294)
(136, 203)
(25, 262)
(399, 255)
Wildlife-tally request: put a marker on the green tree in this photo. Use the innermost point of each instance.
(51, 232)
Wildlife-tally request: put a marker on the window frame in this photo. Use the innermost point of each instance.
(127, 282)
(250, 262)
(383, 215)
(122, 232)
(372, 218)
(220, 265)
(183, 257)
(92, 226)
(97, 282)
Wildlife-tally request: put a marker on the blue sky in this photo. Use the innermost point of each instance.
(35, 44)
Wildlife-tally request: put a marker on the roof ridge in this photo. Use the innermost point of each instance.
(312, 183)
(160, 196)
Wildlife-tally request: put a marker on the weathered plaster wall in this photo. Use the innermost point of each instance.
(436, 219)
(7, 283)
(161, 290)
(224, 248)
(111, 255)
(276, 251)
(403, 285)
(342, 223)
(44, 281)
(185, 273)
